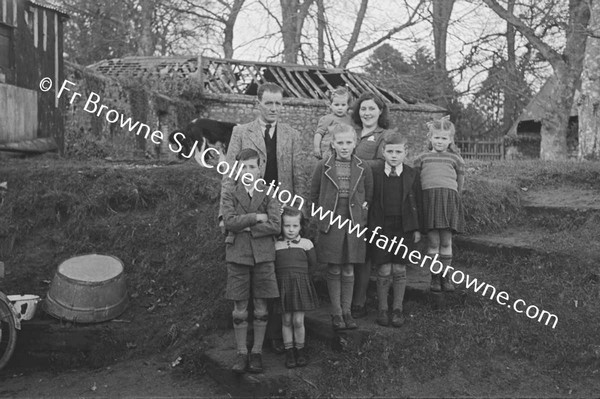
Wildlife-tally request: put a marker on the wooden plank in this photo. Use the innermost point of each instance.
(289, 84)
(258, 78)
(278, 79)
(306, 85)
(364, 87)
(294, 83)
(313, 84)
(357, 91)
(283, 82)
(329, 87)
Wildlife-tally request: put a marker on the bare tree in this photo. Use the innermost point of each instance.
(589, 110)
(293, 15)
(441, 12)
(221, 15)
(567, 69)
(350, 51)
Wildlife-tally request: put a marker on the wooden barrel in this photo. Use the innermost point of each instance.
(88, 289)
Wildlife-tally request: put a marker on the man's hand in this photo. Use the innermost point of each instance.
(222, 227)
(417, 236)
(317, 153)
(262, 217)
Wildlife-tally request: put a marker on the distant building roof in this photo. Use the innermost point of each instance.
(226, 76)
(535, 110)
(48, 5)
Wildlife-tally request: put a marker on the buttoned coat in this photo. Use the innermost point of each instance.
(249, 242)
(411, 198)
(251, 135)
(325, 190)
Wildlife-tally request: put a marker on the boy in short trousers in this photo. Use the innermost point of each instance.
(253, 221)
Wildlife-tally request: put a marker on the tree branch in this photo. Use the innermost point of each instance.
(410, 22)
(553, 57)
(355, 32)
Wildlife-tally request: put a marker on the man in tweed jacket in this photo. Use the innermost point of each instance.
(278, 146)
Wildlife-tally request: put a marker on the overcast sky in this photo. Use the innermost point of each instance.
(469, 22)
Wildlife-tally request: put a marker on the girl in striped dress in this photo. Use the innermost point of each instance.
(294, 257)
(442, 179)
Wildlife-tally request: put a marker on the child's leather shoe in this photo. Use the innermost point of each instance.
(435, 285)
(383, 318)
(350, 322)
(255, 363)
(337, 322)
(290, 358)
(397, 318)
(240, 364)
(301, 358)
(447, 284)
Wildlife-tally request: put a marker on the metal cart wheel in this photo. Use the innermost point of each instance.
(8, 331)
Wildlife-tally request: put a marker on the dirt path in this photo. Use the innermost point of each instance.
(139, 378)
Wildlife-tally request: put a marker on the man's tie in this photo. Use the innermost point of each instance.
(393, 172)
(268, 130)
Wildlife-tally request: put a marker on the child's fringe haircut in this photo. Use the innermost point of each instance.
(442, 125)
(341, 91)
(291, 211)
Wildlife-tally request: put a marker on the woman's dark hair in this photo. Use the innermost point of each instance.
(383, 120)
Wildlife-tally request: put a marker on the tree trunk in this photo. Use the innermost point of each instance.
(556, 120)
(320, 33)
(345, 58)
(442, 10)
(293, 15)
(146, 36)
(567, 70)
(510, 91)
(235, 9)
(589, 109)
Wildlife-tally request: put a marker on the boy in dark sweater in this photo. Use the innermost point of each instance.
(394, 212)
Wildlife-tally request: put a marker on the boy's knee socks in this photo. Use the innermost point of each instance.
(347, 291)
(383, 289)
(260, 326)
(240, 329)
(334, 287)
(399, 285)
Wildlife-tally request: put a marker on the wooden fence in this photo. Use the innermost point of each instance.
(485, 150)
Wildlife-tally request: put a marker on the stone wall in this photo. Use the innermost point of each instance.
(304, 115)
(91, 132)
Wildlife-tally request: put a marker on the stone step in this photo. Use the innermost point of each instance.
(561, 207)
(273, 381)
(493, 245)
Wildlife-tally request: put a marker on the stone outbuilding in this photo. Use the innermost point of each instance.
(225, 90)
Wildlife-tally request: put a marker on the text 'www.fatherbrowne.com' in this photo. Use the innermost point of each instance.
(394, 246)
